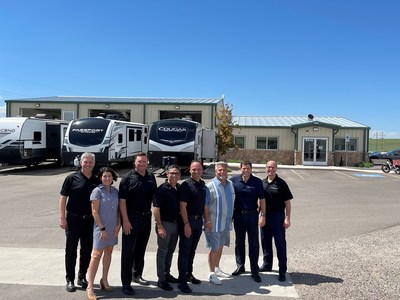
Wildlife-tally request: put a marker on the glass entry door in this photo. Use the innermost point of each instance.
(315, 151)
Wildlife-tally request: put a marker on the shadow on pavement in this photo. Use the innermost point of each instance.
(313, 279)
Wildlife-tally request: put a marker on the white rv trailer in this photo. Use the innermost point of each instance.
(29, 141)
(109, 140)
(177, 141)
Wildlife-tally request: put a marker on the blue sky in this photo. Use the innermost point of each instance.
(268, 57)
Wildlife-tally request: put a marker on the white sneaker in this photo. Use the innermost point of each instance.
(214, 279)
(221, 273)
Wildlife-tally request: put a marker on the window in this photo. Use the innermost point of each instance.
(239, 141)
(272, 143)
(68, 115)
(340, 144)
(267, 143)
(37, 136)
(131, 136)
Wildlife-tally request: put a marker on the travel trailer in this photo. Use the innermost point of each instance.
(29, 141)
(177, 141)
(111, 141)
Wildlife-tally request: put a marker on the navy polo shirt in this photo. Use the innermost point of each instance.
(276, 193)
(167, 199)
(138, 191)
(247, 193)
(194, 194)
(77, 187)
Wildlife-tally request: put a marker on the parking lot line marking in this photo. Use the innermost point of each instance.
(297, 174)
(352, 177)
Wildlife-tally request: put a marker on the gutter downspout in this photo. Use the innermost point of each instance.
(366, 143)
(295, 145)
(334, 132)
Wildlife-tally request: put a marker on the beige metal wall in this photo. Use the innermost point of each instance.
(285, 136)
(153, 112)
(320, 133)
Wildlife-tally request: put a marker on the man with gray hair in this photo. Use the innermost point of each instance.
(218, 211)
(77, 220)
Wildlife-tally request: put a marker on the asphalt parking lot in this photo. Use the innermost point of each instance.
(330, 206)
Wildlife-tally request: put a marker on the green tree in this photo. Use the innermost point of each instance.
(225, 139)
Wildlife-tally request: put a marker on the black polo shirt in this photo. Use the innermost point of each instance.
(167, 199)
(276, 193)
(247, 193)
(194, 194)
(138, 191)
(77, 187)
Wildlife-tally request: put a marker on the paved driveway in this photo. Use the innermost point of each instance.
(329, 205)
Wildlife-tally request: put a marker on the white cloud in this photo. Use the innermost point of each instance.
(378, 134)
(2, 110)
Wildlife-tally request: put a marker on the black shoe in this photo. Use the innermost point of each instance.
(184, 288)
(70, 286)
(282, 277)
(265, 268)
(192, 279)
(171, 279)
(128, 290)
(140, 280)
(82, 282)
(238, 271)
(256, 277)
(164, 285)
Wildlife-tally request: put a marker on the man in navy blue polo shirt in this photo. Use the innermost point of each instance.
(248, 215)
(278, 210)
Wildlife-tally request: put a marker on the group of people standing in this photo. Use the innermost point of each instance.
(92, 212)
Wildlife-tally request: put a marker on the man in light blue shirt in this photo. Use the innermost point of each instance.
(218, 211)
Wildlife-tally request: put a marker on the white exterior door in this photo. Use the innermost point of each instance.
(315, 151)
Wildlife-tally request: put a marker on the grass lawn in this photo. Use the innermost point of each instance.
(383, 144)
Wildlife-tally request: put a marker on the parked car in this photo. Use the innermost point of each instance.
(394, 154)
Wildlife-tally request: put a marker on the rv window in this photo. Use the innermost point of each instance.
(139, 135)
(120, 138)
(37, 136)
(131, 137)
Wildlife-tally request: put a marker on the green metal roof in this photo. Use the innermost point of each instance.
(293, 121)
(131, 100)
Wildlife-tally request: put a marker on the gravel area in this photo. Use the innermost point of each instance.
(363, 267)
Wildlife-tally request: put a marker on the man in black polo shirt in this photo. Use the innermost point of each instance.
(192, 210)
(77, 220)
(166, 216)
(248, 215)
(136, 192)
(278, 210)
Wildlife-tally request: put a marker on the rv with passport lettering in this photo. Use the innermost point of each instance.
(111, 141)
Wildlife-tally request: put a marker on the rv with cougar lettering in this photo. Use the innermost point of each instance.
(111, 141)
(179, 141)
(30, 141)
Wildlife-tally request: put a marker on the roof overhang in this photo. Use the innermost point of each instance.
(315, 124)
